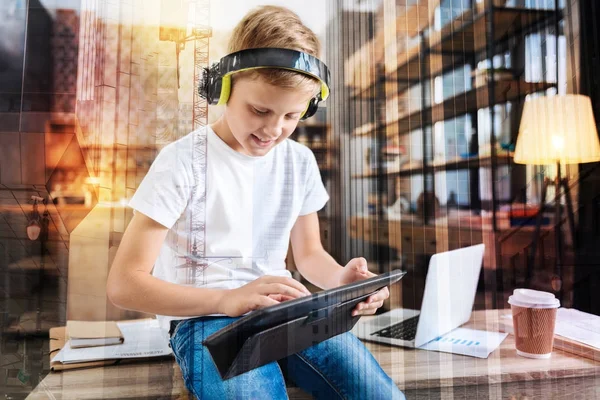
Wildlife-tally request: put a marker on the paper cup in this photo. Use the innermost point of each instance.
(534, 318)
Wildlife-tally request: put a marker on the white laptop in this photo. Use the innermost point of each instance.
(448, 300)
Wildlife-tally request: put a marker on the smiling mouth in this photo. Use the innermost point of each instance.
(262, 142)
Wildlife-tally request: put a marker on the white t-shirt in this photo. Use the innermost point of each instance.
(251, 206)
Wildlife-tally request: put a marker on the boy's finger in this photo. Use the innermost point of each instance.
(379, 296)
(373, 297)
(367, 311)
(364, 311)
(293, 283)
(276, 297)
(358, 264)
(282, 289)
(282, 280)
(375, 304)
(264, 301)
(376, 298)
(280, 297)
(363, 307)
(378, 304)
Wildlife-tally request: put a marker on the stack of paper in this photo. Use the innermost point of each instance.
(469, 342)
(142, 339)
(579, 326)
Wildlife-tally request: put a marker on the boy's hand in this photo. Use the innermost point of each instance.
(356, 270)
(263, 292)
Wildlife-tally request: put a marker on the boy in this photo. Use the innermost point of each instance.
(261, 190)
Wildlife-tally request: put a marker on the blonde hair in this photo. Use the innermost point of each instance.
(273, 26)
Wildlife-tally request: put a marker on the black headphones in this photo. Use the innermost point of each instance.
(215, 85)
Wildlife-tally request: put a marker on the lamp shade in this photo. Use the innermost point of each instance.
(33, 230)
(557, 128)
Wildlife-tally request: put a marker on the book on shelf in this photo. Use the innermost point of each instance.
(93, 333)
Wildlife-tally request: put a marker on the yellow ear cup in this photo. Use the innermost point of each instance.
(306, 109)
(324, 91)
(225, 90)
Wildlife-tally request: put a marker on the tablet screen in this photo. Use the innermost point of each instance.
(268, 317)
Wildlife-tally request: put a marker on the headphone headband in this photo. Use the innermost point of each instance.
(270, 57)
(215, 85)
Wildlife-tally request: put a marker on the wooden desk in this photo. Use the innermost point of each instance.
(160, 379)
(503, 375)
(420, 374)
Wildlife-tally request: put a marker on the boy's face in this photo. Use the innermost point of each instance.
(260, 116)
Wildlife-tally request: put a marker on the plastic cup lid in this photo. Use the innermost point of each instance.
(533, 299)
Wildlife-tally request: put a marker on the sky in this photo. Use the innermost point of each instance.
(225, 14)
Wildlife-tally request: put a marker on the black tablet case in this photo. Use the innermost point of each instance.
(276, 332)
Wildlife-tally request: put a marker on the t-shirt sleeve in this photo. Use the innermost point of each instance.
(315, 196)
(165, 191)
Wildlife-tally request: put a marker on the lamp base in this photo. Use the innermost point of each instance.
(557, 279)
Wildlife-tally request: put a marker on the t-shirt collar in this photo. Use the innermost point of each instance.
(242, 157)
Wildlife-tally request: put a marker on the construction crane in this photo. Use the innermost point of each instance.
(201, 33)
(196, 261)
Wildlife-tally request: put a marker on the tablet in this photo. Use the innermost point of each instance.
(275, 332)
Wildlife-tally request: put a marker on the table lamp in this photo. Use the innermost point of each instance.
(556, 130)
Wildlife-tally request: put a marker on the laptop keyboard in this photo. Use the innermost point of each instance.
(404, 330)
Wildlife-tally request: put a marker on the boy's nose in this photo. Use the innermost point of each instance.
(273, 129)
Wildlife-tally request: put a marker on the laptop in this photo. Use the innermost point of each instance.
(450, 288)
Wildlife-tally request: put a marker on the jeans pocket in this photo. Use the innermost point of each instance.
(179, 325)
(181, 335)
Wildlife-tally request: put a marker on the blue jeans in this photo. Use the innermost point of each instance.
(338, 368)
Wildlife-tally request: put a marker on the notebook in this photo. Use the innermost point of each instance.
(146, 349)
(93, 333)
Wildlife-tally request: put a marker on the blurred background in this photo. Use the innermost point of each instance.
(416, 145)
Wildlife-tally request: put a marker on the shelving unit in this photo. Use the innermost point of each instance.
(476, 37)
(479, 33)
(461, 104)
(465, 35)
(450, 165)
(315, 133)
